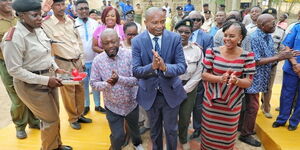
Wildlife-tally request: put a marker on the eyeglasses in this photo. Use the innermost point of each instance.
(131, 34)
(83, 8)
(196, 19)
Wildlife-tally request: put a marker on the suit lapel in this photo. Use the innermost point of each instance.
(164, 45)
(147, 44)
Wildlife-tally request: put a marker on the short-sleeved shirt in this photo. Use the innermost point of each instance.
(262, 46)
(292, 40)
(188, 8)
(216, 64)
(65, 32)
(5, 25)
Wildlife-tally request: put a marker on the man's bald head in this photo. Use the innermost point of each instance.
(266, 23)
(235, 13)
(155, 20)
(195, 14)
(110, 42)
(109, 33)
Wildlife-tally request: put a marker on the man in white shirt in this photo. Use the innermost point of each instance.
(86, 27)
(168, 9)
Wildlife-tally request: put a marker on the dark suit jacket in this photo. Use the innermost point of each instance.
(149, 79)
(205, 40)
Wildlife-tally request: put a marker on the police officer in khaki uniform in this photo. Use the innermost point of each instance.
(68, 55)
(27, 53)
(277, 37)
(178, 17)
(20, 114)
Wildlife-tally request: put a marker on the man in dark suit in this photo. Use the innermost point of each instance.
(158, 60)
(205, 41)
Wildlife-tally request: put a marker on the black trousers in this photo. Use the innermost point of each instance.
(116, 125)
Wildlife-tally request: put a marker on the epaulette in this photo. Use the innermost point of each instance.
(196, 44)
(71, 18)
(10, 34)
(46, 18)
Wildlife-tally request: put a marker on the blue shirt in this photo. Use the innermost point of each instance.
(292, 40)
(68, 10)
(127, 8)
(262, 46)
(194, 36)
(188, 7)
(213, 30)
(122, 5)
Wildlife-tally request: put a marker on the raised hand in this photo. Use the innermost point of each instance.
(155, 60)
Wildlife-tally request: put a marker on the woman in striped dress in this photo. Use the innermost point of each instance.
(228, 70)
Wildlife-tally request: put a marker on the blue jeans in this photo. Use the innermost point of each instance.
(96, 94)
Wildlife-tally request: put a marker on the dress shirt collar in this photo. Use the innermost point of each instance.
(261, 33)
(152, 36)
(56, 21)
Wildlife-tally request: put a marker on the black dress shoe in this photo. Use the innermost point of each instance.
(195, 134)
(75, 125)
(143, 130)
(86, 110)
(21, 134)
(65, 147)
(100, 109)
(276, 125)
(82, 119)
(292, 128)
(250, 140)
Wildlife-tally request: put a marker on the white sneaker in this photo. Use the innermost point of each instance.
(186, 146)
(268, 115)
(139, 147)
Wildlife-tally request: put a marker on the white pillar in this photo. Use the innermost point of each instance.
(235, 5)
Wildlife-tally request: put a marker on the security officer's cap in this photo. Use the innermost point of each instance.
(130, 12)
(185, 22)
(271, 11)
(29, 5)
(179, 8)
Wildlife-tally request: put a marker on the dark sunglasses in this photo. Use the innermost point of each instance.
(196, 19)
(83, 8)
(187, 33)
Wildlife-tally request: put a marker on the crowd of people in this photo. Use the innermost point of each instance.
(192, 65)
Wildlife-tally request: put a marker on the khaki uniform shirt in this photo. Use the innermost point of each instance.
(193, 56)
(5, 25)
(65, 32)
(28, 51)
(175, 20)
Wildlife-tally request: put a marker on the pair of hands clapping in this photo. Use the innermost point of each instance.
(229, 77)
(158, 62)
(113, 79)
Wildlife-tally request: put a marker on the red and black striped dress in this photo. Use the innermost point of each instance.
(222, 102)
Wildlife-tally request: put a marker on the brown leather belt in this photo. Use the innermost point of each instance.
(64, 59)
(41, 71)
